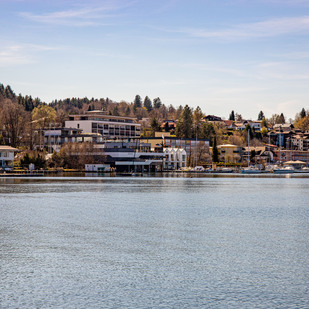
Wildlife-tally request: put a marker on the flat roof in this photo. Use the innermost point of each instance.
(4, 147)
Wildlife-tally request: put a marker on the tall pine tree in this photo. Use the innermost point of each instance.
(147, 104)
(184, 126)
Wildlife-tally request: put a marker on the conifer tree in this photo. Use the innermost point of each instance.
(157, 103)
(137, 102)
(232, 116)
(155, 126)
(147, 104)
(185, 123)
(215, 153)
(302, 113)
(261, 115)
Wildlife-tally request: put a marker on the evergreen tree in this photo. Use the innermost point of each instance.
(208, 131)
(197, 121)
(155, 125)
(215, 153)
(8, 92)
(185, 123)
(302, 113)
(2, 90)
(261, 115)
(251, 131)
(115, 111)
(157, 103)
(128, 111)
(137, 102)
(147, 104)
(252, 155)
(232, 116)
(281, 118)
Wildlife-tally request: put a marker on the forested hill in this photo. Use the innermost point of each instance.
(139, 108)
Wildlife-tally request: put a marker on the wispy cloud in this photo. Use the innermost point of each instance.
(17, 54)
(85, 16)
(282, 71)
(268, 28)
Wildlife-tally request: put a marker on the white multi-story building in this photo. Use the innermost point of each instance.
(110, 127)
(174, 158)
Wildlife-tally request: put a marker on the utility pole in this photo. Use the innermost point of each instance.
(248, 147)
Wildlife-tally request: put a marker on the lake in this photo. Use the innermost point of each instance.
(154, 242)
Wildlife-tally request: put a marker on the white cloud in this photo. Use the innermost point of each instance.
(268, 28)
(17, 54)
(85, 16)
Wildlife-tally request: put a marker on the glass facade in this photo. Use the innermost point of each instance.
(116, 130)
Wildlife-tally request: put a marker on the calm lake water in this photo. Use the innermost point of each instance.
(154, 243)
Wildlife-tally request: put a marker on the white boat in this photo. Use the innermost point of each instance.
(285, 170)
(252, 170)
(302, 170)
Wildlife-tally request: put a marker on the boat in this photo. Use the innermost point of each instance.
(127, 174)
(285, 170)
(252, 170)
(224, 170)
(302, 170)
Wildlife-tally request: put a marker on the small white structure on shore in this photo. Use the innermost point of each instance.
(7, 157)
(97, 168)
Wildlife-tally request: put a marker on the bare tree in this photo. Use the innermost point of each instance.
(13, 120)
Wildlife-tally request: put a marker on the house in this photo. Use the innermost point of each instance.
(174, 158)
(285, 127)
(299, 141)
(110, 127)
(212, 118)
(291, 155)
(168, 124)
(262, 154)
(229, 153)
(230, 124)
(7, 154)
(255, 125)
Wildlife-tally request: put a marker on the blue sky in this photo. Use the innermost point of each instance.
(221, 55)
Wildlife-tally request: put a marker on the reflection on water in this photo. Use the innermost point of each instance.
(154, 242)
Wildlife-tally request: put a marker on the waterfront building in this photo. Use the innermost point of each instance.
(174, 158)
(197, 149)
(130, 156)
(110, 127)
(229, 153)
(262, 154)
(284, 155)
(298, 141)
(7, 154)
(54, 138)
